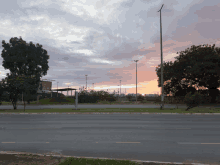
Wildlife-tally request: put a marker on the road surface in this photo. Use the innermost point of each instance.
(151, 137)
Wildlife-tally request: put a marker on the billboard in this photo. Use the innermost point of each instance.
(44, 87)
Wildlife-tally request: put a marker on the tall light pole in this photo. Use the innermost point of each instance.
(93, 85)
(57, 89)
(136, 79)
(120, 88)
(86, 83)
(162, 93)
(118, 92)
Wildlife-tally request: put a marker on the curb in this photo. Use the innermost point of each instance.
(146, 113)
(65, 156)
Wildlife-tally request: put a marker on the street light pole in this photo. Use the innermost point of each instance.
(162, 93)
(120, 88)
(57, 89)
(136, 79)
(118, 93)
(86, 83)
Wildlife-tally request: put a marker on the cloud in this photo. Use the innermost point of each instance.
(103, 38)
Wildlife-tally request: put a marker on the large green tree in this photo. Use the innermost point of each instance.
(27, 63)
(196, 66)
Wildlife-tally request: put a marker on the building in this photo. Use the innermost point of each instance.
(45, 87)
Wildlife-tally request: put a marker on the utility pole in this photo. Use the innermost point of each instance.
(118, 92)
(86, 83)
(93, 85)
(120, 88)
(162, 93)
(136, 79)
(57, 89)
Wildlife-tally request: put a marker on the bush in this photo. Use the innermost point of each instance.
(111, 98)
(87, 99)
(140, 98)
(193, 100)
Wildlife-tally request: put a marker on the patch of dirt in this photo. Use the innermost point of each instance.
(23, 159)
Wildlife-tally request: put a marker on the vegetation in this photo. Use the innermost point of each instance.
(27, 64)
(193, 100)
(129, 110)
(198, 66)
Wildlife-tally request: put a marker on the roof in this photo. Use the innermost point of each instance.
(64, 89)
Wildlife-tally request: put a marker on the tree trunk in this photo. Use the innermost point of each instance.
(213, 92)
(24, 105)
(14, 105)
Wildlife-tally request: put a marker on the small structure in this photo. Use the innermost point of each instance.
(66, 89)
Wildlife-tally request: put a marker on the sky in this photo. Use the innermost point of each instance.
(102, 38)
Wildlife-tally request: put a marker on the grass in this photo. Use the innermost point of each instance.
(111, 110)
(84, 161)
(72, 101)
(31, 159)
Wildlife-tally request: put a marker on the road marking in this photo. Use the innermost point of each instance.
(127, 142)
(210, 143)
(25, 142)
(172, 128)
(195, 143)
(39, 128)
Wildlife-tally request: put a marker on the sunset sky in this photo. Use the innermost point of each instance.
(102, 38)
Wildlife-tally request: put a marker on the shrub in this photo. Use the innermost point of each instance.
(140, 98)
(111, 98)
(193, 100)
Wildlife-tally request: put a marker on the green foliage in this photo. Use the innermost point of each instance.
(111, 98)
(193, 100)
(129, 97)
(83, 98)
(101, 95)
(140, 98)
(198, 65)
(27, 63)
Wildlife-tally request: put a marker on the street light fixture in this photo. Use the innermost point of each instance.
(162, 93)
(136, 79)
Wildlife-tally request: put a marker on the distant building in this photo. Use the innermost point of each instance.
(45, 87)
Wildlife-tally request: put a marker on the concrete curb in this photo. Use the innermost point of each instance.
(146, 113)
(66, 156)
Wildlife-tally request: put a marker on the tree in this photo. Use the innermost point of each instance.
(27, 64)
(196, 66)
(12, 85)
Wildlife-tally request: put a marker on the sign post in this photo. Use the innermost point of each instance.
(76, 100)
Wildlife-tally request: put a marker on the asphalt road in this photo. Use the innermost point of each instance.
(89, 106)
(151, 137)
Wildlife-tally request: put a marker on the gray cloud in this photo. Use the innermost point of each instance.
(102, 38)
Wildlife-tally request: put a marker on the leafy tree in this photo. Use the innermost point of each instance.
(129, 96)
(12, 85)
(26, 62)
(198, 66)
(192, 100)
(140, 98)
